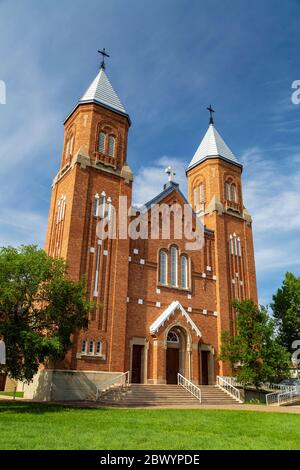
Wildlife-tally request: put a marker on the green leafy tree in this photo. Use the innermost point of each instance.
(286, 311)
(39, 309)
(254, 352)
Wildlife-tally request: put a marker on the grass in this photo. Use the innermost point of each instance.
(11, 394)
(43, 426)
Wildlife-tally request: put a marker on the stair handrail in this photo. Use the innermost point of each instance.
(266, 386)
(226, 385)
(121, 380)
(279, 397)
(189, 386)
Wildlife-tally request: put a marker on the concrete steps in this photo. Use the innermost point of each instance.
(140, 395)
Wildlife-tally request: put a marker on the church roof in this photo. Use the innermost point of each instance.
(170, 310)
(168, 189)
(102, 92)
(213, 145)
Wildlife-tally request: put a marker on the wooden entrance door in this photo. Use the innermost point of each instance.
(172, 365)
(2, 381)
(136, 370)
(204, 367)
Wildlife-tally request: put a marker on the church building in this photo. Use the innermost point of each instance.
(161, 308)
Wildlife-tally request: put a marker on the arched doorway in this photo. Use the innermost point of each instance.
(175, 354)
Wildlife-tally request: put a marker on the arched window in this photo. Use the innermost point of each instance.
(227, 191)
(111, 146)
(172, 337)
(184, 272)
(163, 263)
(233, 192)
(101, 143)
(201, 192)
(173, 266)
(98, 348)
(83, 346)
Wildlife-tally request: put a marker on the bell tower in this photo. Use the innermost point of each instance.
(93, 174)
(215, 193)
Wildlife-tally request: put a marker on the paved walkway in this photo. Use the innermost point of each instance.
(89, 404)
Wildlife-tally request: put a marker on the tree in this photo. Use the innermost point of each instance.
(286, 311)
(39, 309)
(254, 352)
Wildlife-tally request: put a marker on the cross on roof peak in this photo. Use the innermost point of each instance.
(170, 172)
(211, 112)
(104, 54)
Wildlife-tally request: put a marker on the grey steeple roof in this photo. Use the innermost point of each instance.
(102, 92)
(213, 145)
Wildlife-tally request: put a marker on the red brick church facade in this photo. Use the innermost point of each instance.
(161, 308)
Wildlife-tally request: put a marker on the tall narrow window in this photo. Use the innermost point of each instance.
(83, 347)
(111, 146)
(239, 247)
(227, 191)
(63, 208)
(98, 348)
(109, 208)
(231, 245)
(58, 212)
(99, 243)
(174, 266)
(235, 244)
(67, 151)
(102, 207)
(184, 272)
(195, 196)
(91, 347)
(71, 146)
(96, 205)
(163, 261)
(201, 192)
(101, 146)
(233, 192)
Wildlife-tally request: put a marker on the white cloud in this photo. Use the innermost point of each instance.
(272, 195)
(150, 179)
(21, 228)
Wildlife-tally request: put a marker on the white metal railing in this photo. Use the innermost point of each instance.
(121, 381)
(266, 386)
(279, 387)
(229, 388)
(189, 386)
(283, 397)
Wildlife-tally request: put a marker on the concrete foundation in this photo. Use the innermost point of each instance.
(63, 385)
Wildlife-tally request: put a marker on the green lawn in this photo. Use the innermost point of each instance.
(11, 394)
(42, 426)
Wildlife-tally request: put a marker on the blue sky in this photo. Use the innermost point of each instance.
(169, 60)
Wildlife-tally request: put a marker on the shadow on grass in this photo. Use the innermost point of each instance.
(40, 408)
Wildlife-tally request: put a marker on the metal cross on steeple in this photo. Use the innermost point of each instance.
(104, 54)
(211, 111)
(170, 172)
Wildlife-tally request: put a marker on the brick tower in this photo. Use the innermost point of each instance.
(215, 192)
(93, 174)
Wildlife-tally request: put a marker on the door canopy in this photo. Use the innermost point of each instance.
(165, 316)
